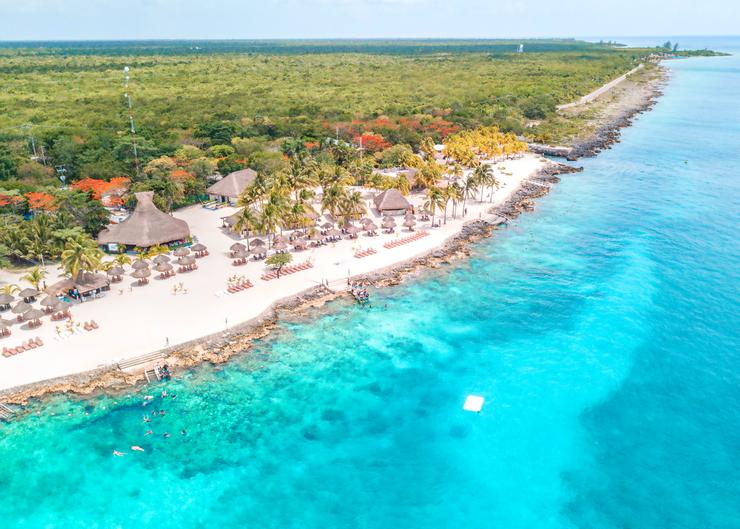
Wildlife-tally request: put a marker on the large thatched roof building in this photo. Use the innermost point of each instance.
(146, 226)
(391, 202)
(231, 186)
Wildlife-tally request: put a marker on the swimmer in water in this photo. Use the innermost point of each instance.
(166, 435)
(148, 432)
(147, 419)
(148, 397)
(183, 432)
(117, 453)
(173, 396)
(164, 394)
(162, 412)
(137, 448)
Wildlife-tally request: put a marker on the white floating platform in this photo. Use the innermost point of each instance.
(474, 403)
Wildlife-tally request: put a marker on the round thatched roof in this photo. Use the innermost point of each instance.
(353, 230)
(28, 293)
(140, 265)
(49, 301)
(370, 226)
(141, 273)
(257, 242)
(5, 299)
(161, 258)
(181, 252)
(21, 307)
(198, 247)
(186, 261)
(116, 271)
(334, 233)
(163, 267)
(33, 314)
(146, 226)
(61, 305)
(279, 246)
(236, 247)
(242, 253)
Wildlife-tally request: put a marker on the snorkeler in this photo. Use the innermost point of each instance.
(118, 454)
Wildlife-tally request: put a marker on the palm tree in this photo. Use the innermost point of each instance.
(455, 192)
(469, 189)
(483, 175)
(435, 200)
(122, 259)
(332, 197)
(352, 205)
(427, 176)
(247, 222)
(9, 289)
(80, 256)
(35, 276)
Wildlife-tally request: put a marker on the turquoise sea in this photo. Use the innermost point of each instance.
(603, 330)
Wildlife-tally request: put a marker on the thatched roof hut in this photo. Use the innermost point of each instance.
(85, 283)
(232, 185)
(28, 293)
(161, 258)
(21, 307)
(146, 226)
(140, 264)
(391, 202)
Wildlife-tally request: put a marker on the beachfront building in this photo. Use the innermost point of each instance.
(146, 226)
(231, 186)
(84, 286)
(391, 202)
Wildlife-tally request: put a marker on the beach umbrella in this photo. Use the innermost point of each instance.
(61, 306)
(116, 271)
(6, 299)
(278, 239)
(28, 293)
(140, 264)
(315, 236)
(365, 220)
(387, 218)
(334, 233)
(300, 243)
(198, 247)
(353, 230)
(327, 225)
(163, 267)
(370, 226)
(255, 250)
(237, 246)
(242, 254)
(389, 224)
(161, 258)
(410, 216)
(280, 246)
(21, 307)
(257, 242)
(49, 301)
(33, 315)
(141, 273)
(181, 251)
(186, 260)
(410, 223)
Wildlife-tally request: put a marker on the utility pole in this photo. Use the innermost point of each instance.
(132, 127)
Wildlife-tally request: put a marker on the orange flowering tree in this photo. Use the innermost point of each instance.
(40, 201)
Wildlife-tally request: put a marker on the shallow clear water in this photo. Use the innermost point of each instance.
(603, 329)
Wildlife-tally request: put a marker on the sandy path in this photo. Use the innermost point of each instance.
(601, 90)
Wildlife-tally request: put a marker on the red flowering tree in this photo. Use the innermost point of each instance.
(40, 201)
(371, 142)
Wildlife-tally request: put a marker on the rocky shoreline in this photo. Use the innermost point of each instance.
(608, 133)
(220, 347)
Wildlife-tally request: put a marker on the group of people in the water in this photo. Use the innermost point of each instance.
(147, 418)
(360, 293)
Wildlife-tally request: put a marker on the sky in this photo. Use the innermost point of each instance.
(257, 19)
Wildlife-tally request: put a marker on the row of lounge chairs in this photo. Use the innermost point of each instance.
(406, 240)
(238, 287)
(287, 270)
(91, 325)
(365, 253)
(33, 343)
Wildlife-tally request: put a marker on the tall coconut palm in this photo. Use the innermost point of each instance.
(9, 289)
(455, 192)
(80, 256)
(427, 176)
(332, 197)
(247, 222)
(35, 276)
(122, 259)
(483, 175)
(353, 206)
(435, 200)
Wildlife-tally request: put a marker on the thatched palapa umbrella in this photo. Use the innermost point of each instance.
(141, 274)
(182, 251)
(334, 233)
(258, 242)
(60, 306)
(140, 264)
(199, 247)
(370, 227)
(5, 301)
(410, 223)
(242, 253)
(280, 246)
(161, 258)
(33, 315)
(21, 307)
(300, 243)
(353, 231)
(186, 260)
(49, 302)
(163, 268)
(28, 294)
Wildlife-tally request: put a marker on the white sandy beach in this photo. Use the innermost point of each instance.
(135, 320)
